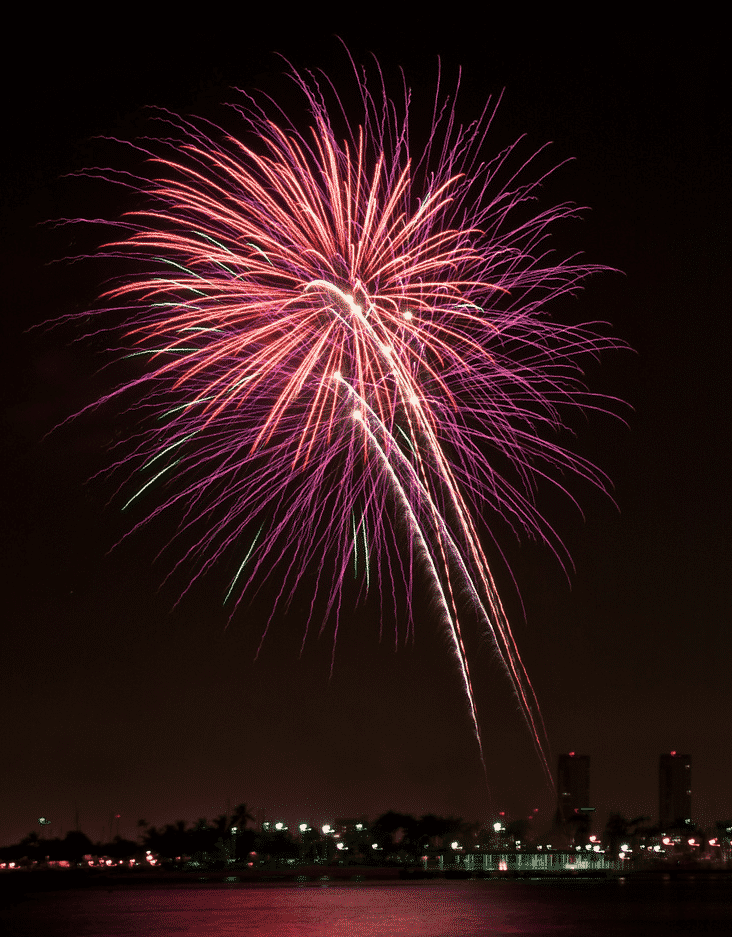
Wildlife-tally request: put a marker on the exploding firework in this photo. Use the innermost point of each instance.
(347, 357)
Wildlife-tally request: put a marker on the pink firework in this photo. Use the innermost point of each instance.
(344, 340)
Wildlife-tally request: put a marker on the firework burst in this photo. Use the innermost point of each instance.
(344, 337)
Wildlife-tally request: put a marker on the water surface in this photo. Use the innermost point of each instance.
(591, 908)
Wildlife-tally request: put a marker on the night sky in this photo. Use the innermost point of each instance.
(116, 701)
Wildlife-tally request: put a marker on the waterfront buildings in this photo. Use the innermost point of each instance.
(573, 796)
(674, 790)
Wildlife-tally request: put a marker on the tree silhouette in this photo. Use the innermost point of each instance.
(395, 832)
(435, 832)
(76, 845)
(619, 830)
(241, 816)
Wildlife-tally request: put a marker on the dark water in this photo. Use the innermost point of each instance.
(696, 905)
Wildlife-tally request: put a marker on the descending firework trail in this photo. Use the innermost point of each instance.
(496, 623)
(347, 352)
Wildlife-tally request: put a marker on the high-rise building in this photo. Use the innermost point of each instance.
(674, 790)
(573, 787)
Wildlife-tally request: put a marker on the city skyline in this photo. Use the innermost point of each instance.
(674, 809)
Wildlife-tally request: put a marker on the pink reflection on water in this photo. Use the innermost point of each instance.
(349, 910)
(570, 907)
(314, 909)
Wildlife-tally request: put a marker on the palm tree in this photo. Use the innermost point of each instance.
(241, 817)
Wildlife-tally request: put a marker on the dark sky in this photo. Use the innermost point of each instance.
(115, 702)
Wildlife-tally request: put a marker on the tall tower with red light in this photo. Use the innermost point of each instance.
(674, 791)
(573, 795)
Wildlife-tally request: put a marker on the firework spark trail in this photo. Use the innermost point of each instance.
(497, 626)
(268, 263)
(451, 619)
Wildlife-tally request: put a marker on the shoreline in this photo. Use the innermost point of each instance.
(43, 880)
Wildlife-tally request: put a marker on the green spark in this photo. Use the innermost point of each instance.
(184, 406)
(259, 250)
(172, 263)
(178, 442)
(159, 351)
(409, 441)
(243, 564)
(361, 526)
(147, 484)
(366, 551)
(355, 545)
